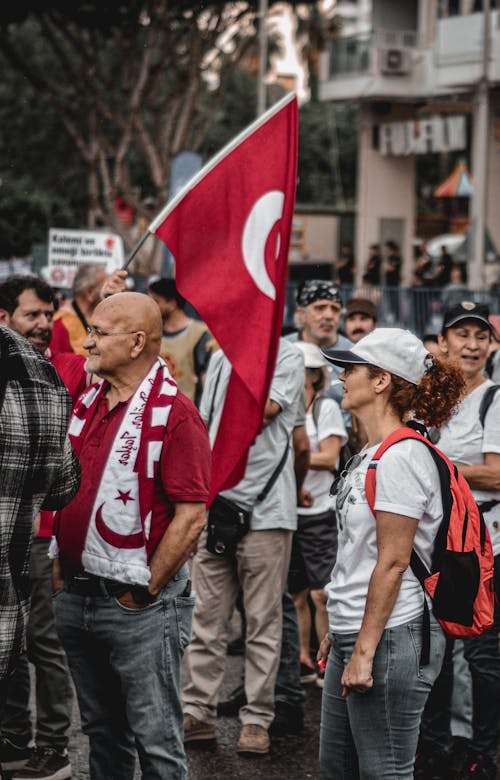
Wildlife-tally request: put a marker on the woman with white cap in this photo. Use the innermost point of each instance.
(375, 686)
(471, 439)
(315, 542)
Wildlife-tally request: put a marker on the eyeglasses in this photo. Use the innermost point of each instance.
(340, 486)
(98, 333)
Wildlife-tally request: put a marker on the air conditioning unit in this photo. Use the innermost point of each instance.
(394, 61)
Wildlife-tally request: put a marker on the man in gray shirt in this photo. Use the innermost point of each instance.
(260, 564)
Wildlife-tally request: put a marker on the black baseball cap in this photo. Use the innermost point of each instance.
(467, 310)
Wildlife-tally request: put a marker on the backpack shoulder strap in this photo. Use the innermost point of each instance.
(444, 466)
(370, 482)
(445, 470)
(486, 402)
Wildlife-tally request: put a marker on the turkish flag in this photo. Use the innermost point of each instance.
(229, 231)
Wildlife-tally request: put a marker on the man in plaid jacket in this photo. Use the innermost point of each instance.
(38, 469)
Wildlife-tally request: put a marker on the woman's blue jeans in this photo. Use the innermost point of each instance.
(374, 735)
(125, 665)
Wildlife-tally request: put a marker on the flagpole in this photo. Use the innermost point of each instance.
(261, 87)
(136, 249)
(261, 120)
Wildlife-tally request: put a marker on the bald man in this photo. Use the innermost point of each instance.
(123, 599)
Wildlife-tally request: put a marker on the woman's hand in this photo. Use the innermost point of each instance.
(357, 675)
(324, 649)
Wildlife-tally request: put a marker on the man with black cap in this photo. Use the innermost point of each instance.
(360, 318)
(319, 307)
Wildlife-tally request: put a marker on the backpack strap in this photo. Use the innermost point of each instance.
(274, 476)
(417, 566)
(486, 402)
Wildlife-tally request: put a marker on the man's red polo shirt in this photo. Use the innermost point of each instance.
(183, 475)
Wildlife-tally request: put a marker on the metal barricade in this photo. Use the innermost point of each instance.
(419, 309)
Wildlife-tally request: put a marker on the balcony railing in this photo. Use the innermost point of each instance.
(405, 39)
(353, 56)
(349, 56)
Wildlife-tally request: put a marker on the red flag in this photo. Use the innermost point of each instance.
(229, 231)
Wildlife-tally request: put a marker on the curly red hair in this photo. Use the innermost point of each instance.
(434, 400)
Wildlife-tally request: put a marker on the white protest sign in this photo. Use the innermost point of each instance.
(69, 249)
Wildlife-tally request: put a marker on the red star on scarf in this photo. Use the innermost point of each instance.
(124, 497)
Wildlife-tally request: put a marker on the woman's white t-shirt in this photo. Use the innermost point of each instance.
(407, 484)
(318, 483)
(464, 440)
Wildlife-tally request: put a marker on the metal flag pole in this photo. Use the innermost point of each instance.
(209, 166)
(136, 249)
(261, 86)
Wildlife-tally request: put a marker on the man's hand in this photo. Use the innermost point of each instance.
(127, 600)
(114, 284)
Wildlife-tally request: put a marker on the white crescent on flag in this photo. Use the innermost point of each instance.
(260, 222)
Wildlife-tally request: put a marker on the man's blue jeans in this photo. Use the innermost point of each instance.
(125, 665)
(374, 735)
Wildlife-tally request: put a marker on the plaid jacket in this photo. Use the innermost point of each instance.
(38, 469)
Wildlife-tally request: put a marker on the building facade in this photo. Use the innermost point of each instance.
(425, 73)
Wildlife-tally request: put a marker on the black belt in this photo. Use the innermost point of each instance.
(90, 585)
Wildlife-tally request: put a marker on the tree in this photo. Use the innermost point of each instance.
(133, 84)
(328, 142)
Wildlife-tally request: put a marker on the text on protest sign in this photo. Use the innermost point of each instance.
(70, 249)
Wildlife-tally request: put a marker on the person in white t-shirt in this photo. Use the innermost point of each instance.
(375, 684)
(474, 447)
(314, 544)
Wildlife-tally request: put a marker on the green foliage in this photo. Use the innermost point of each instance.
(108, 91)
(42, 176)
(328, 142)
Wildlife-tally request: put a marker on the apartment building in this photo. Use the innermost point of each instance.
(426, 74)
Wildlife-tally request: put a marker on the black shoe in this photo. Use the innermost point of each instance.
(236, 647)
(288, 719)
(13, 756)
(231, 707)
(45, 764)
(432, 766)
(458, 755)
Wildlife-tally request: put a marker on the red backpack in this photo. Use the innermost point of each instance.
(460, 582)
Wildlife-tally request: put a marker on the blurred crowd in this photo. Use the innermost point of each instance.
(111, 573)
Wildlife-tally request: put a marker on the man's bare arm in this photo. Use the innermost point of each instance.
(176, 544)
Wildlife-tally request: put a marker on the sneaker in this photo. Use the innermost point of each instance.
(197, 730)
(307, 671)
(45, 764)
(320, 680)
(13, 756)
(253, 740)
(478, 767)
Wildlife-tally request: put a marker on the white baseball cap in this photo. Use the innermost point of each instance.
(395, 350)
(312, 354)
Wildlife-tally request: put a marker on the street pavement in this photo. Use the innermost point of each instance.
(294, 757)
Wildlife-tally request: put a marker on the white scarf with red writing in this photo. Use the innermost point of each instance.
(118, 532)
